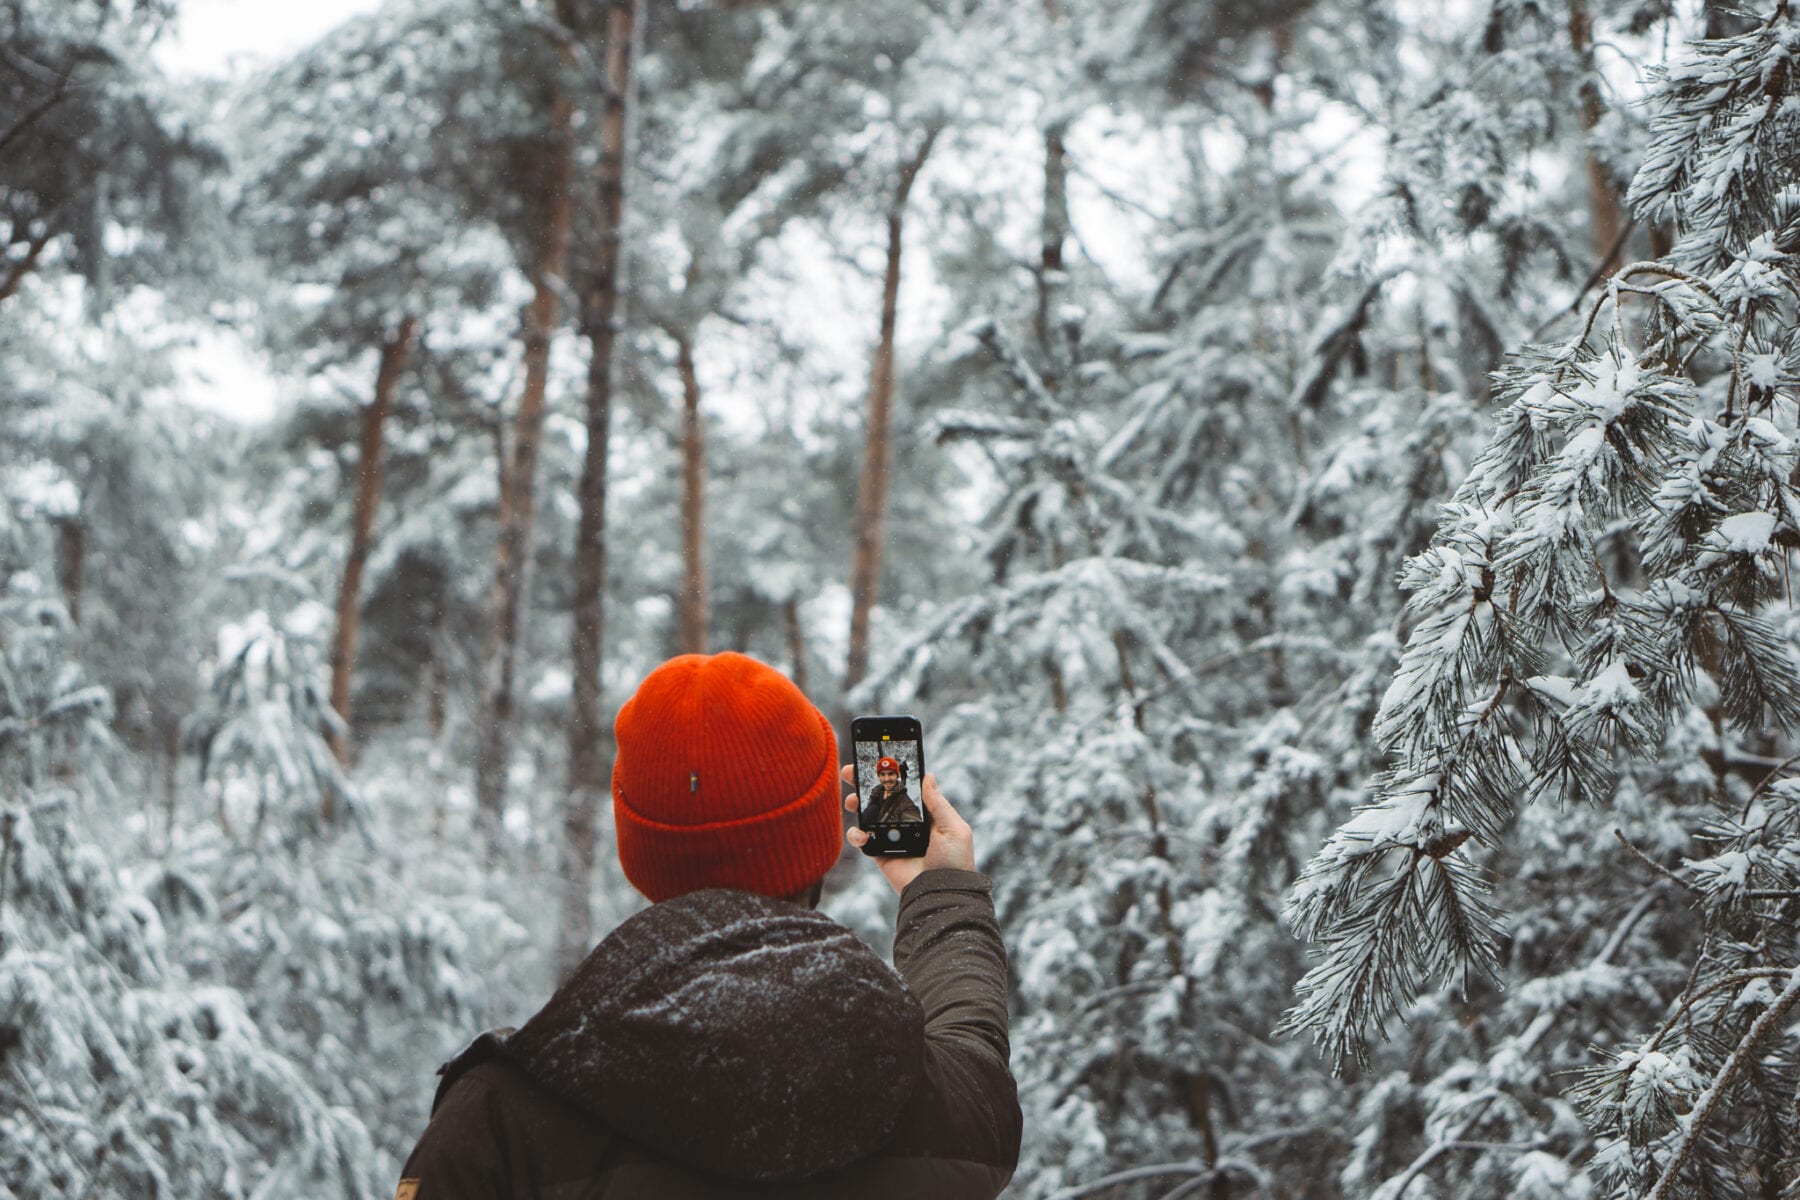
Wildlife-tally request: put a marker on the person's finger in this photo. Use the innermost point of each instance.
(856, 837)
(847, 772)
(941, 810)
(850, 804)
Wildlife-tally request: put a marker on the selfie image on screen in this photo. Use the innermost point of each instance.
(889, 775)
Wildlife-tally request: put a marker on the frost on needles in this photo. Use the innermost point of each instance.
(1616, 560)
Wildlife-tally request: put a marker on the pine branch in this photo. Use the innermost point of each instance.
(1690, 998)
(1025, 376)
(1094, 1187)
(1653, 864)
(1695, 1123)
(1599, 273)
(1534, 1033)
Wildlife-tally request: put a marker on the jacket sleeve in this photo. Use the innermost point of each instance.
(947, 945)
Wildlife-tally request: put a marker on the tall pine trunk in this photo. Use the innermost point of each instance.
(1053, 231)
(599, 323)
(436, 673)
(693, 503)
(71, 562)
(395, 351)
(1605, 215)
(872, 488)
(169, 730)
(796, 640)
(517, 510)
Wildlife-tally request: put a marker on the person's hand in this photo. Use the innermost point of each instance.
(952, 842)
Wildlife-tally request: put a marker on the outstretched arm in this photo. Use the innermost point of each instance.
(947, 945)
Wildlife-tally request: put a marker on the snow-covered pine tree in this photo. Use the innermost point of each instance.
(1611, 582)
(96, 142)
(1202, 487)
(330, 943)
(122, 1076)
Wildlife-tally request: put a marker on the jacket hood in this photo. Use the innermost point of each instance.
(734, 1034)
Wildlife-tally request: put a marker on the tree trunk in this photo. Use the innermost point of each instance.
(71, 562)
(693, 504)
(512, 553)
(872, 488)
(395, 352)
(599, 320)
(436, 686)
(796, 640)
(436, 673)
(171, 764)
(1053, 232)
(1604, 213)
(1281, 44)
(17, 271)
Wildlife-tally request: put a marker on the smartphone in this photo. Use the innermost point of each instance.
(890, 785)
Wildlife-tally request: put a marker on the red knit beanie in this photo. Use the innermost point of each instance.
(725, 776)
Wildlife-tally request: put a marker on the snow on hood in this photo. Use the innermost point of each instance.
(734, 1034)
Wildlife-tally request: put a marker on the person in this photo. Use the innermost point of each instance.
(730, 1040)
(887, 802)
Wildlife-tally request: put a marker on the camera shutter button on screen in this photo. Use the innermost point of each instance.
(893, 835)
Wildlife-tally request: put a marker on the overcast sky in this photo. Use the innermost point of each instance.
(228, 37)
(223, 37)
(218, 37)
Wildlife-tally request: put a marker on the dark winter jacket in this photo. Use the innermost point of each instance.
(726, 1045)
(891, 808)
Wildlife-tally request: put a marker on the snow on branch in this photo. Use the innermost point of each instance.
(1623, 536)
(1720, 138)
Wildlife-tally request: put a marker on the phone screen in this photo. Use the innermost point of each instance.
(890, 768)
